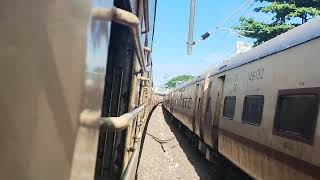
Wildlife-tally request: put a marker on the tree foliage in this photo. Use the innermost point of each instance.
(283, 11)
(177, 80)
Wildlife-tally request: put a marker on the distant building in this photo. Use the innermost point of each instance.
(242, 47)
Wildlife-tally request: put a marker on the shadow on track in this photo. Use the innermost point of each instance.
(221, 169)
(204, 168)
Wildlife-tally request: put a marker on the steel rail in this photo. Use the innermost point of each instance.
(125, 18)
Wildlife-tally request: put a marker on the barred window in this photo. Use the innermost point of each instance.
(189, 104)
(229, 107)
(297, 113)
(252, 109)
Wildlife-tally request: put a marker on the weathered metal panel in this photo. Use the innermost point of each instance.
(98, 37)
(291, 155)
(49, 82)
(256, 163)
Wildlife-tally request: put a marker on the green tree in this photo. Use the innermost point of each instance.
(283, 11)
(179, 79)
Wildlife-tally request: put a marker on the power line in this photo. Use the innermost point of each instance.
(236, 11)
(207, 34)
(225, 35)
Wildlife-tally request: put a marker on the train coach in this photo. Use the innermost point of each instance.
(76, 87)
(260, 109)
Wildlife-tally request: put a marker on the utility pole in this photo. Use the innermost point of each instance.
(190, 42)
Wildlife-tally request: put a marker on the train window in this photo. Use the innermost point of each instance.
(189, 104)
(229, 107)
(186, 105)
(296, 114)
(181, 102)
(252, 109)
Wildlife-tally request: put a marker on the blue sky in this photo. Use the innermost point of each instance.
(171, 32)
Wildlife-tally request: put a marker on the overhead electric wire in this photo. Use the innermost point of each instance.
(208, 33)
(225, 21)
(226, 33)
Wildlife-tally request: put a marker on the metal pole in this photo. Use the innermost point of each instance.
(191, 26)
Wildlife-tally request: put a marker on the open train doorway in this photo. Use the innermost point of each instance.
(197, 109)
(218, 105)
(211, 115)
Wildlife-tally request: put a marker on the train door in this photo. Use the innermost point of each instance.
(217, 104)
(171, 102)
(207, 118)
(198, 109)
(205, 94)
(195, 106)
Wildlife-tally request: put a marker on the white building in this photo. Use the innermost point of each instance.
(242, 47)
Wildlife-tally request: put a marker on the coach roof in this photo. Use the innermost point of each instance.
(294, 37)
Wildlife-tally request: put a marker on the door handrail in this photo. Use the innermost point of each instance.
(115, 123)
(125, 18)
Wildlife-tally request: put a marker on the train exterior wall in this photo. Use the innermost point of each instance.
(43, 70)
(183, 104)
(256, 148)
(62, 70)
(197, 109)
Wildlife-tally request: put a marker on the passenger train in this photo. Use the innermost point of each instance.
(260, 109)
(76, 87)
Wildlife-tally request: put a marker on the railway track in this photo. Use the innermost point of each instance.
(170, 153)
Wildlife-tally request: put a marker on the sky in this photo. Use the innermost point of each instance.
(169, 55)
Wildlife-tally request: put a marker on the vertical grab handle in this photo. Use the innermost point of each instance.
(125, 18)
